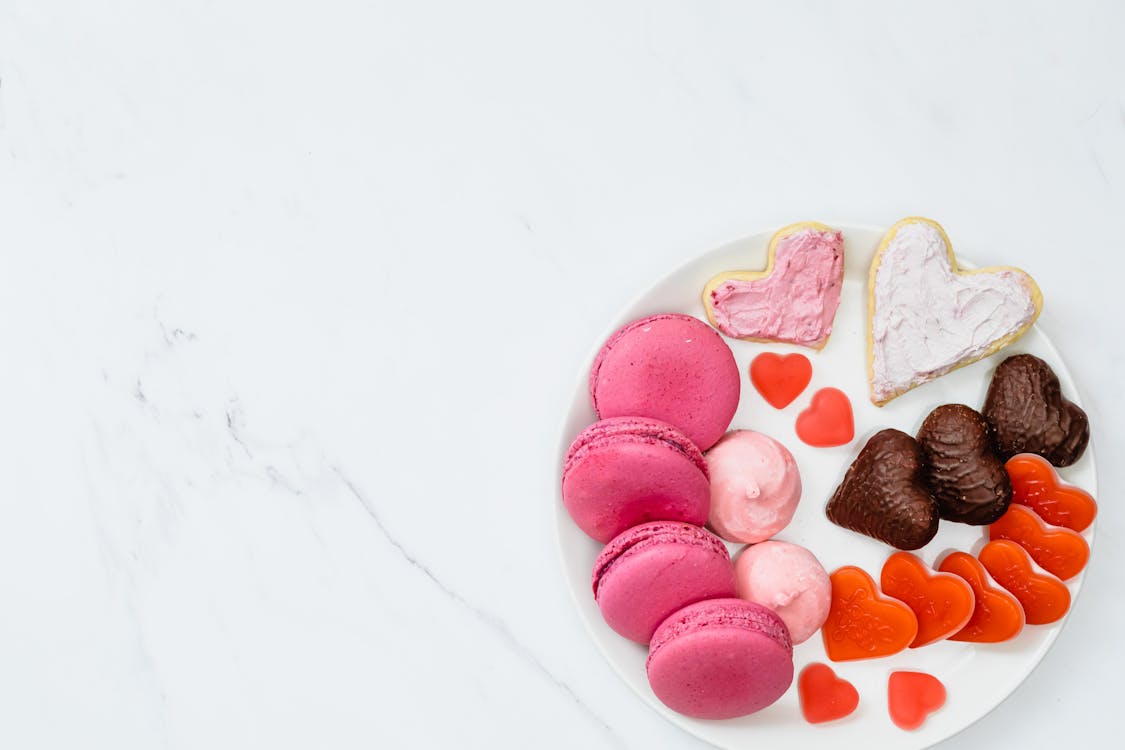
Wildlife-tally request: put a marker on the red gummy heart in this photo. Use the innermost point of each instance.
(828, 420)
(912, 696)
(1044, 598)
(862, 624)
(942, 602)
(1057, 550)
(780, 378)
(824, 696)
(1036, 484)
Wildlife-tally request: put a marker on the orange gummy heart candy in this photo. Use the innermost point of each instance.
(1058, 551)
(828, 421)
(997, 615)
(1036, 484)
(1044, 598)
(780, 378)
(824, 696)
(912, 696)
(942, 602)
(862, 624)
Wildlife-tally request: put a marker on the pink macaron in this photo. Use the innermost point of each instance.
(789, 580)
(670, 367)
(720, 658)
(624, 471)
(755, 486)
(649, 571)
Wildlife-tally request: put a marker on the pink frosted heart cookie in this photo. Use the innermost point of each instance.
(793, 300)
(927, 317)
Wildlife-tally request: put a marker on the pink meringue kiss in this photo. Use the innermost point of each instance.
(755, 486)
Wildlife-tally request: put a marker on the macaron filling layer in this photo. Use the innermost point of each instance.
(650, 535)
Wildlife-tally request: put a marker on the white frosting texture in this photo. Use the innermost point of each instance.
(928, 319)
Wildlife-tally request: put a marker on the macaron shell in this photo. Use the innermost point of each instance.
(789, 580)
(714, 663)
(626, 481)
(648, 581)
(670, 367)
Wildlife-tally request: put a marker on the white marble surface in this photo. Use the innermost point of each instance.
(293, 296)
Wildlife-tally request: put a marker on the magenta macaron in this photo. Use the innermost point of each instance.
(720, 659)
(649, 571)
(670, 367)
(624, 471)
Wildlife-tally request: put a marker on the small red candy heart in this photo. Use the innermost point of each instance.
(824, 696)
(828, 420)
(912, 696)
(780, 378)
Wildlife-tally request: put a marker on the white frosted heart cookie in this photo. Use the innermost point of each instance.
(927, 317)
(793, 300)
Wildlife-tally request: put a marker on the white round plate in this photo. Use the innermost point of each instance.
(977, 677)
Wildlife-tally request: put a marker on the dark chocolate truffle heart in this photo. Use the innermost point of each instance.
(965, 475)
(884, 495)
(1028, 414)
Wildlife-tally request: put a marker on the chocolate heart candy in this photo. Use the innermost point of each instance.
(963, 471)
(884, 494)
(1028, 413)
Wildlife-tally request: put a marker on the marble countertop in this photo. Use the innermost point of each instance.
(294, 295)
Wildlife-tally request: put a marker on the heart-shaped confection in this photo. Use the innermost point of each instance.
(794, 300)
(1036, 484)
(912, 696)
(1044, 598)
(927, 317)
(883, 494)
(780, 378)
(862, 624)
(997, 616)
(824, 696)
(1058, 551)
(963, 472)
(1028, 413)
(942, 602)
(828, 421)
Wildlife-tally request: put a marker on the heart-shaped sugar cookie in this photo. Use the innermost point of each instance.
(883, 494)
(1028, 413)
(927, 317)
(793, 300)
